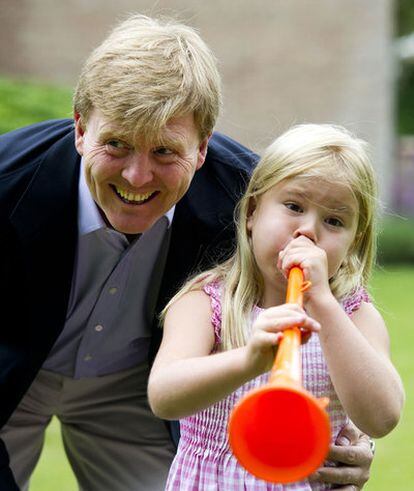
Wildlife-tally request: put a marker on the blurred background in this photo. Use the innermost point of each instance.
(349, 62)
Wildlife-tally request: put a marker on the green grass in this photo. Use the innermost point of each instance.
(392, 468)
(23, 103)
(53, 471)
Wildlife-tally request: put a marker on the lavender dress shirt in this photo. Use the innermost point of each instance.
(108, 324)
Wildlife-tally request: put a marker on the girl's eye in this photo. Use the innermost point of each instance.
(335, 222)
(293, 207)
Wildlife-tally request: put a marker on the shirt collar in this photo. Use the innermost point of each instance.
(89, 217)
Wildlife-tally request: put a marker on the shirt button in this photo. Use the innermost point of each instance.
(113, 290)
(98, 328)
(88, 358)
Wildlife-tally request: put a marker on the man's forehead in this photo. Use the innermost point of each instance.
(177, 131)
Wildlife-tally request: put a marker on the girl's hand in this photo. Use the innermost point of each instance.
(268, 331)
(313, 261)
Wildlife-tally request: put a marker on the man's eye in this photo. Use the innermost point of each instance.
(116, 144)
(335, 222)
(163, 151)
(293, 207)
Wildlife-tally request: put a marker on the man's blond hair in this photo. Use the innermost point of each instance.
(148, 71)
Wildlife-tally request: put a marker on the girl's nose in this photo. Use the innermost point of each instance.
(138, 170)
(307, 228)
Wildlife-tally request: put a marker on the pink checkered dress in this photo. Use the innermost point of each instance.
(204, 461)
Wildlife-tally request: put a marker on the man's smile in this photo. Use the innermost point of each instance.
(133, 198)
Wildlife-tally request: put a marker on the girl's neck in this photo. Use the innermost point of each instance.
(273, 298)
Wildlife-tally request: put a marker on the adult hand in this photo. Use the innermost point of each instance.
(353, 455)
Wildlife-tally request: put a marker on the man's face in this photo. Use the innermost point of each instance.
(135, 183)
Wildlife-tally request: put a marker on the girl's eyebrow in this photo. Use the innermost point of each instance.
(295, 192)
(333, 205)
(341, 209)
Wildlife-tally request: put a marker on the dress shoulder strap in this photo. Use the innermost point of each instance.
(353, 302)
(213, 290)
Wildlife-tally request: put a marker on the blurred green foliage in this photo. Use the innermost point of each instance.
(404, 25)
(23, 103)
(405, 99)
(396, 241)
(404, 17)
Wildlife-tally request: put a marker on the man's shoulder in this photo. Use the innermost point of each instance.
(225, 151)
(27, 144)
(50, 129)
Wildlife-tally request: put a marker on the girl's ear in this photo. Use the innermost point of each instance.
(250, 214)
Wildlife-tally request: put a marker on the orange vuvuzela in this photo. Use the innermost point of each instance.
(280, 432)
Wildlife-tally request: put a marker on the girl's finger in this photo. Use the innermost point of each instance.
(279, 323)
(287, 308)
(267, 339)
(282, 323)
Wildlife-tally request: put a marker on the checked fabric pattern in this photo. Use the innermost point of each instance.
(204, 461)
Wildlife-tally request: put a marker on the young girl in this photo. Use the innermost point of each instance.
(311, 203)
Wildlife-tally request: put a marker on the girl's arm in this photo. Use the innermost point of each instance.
(186, 378)
(356, 350)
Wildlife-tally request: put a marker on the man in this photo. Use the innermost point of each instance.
(101, 219)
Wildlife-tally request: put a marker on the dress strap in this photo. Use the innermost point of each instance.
(213, 290)
(353, 302)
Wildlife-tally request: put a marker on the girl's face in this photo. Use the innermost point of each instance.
(324, 212)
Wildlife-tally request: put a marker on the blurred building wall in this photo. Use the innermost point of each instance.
(282, 61)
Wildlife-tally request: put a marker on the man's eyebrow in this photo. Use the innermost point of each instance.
(175, 140)
(113, 133)
(173, 135)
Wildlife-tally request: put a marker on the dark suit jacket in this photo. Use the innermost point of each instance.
(39, 170)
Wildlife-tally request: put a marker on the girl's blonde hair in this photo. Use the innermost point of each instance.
(329, 153)
(148, 71)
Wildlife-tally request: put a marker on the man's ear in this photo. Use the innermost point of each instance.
(202, 151)
(79, 133)
(250, 214)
